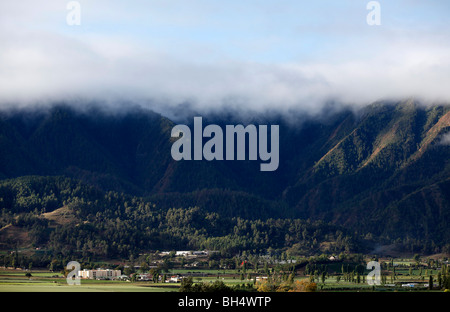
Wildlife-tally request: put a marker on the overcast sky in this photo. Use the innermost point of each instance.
(214, 53)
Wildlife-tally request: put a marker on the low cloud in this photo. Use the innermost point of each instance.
(445, 140)
(41, 65)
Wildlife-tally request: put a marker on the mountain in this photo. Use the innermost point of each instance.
(386, 173)
(382, 170)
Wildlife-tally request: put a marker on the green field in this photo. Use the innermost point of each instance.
(395, 273)
(82, 288)
(43, 281)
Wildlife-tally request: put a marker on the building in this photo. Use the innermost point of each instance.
(261, 278)
(99, 274)
(174, 279)
(182, 253)
(144, 277)
(200, 253)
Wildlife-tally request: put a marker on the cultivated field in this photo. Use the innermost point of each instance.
(399, 275)
(44, 281)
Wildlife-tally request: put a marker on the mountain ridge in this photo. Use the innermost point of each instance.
(362, 169)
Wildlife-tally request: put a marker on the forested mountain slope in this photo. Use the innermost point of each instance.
(383, 169)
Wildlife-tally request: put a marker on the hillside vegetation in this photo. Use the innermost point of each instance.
(381, 173)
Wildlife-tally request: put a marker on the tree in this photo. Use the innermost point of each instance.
(446, 282)
(430, 283)
(186, 284)
(291, 278)
(439, 280)
(144, 267)
(154, 272)
(265, 286)
(304, 286)
(128, 271)
(324, 275)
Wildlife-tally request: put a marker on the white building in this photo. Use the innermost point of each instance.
(144, 277)
(99, 274)
(174, 279)
(200, 253)
(182, 253)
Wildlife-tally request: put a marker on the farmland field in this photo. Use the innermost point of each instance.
(399, 275)
(43, 281)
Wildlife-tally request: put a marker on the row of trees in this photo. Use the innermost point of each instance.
(188, 285)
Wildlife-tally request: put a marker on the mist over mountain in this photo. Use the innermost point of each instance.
(383, 169)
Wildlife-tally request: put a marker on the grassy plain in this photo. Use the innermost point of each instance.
(44, 281)
(399, 273)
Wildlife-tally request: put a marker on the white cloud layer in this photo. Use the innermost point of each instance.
(42, 59)
(445, 140)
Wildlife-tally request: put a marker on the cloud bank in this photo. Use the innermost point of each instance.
(445, 139)
(209, 55)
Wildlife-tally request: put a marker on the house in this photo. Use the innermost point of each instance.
(200, 253)
(123, 278)
(411, 285)
(144, 277)
(260, 278)
(193, 264)
(182, 253)
(174, 279)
